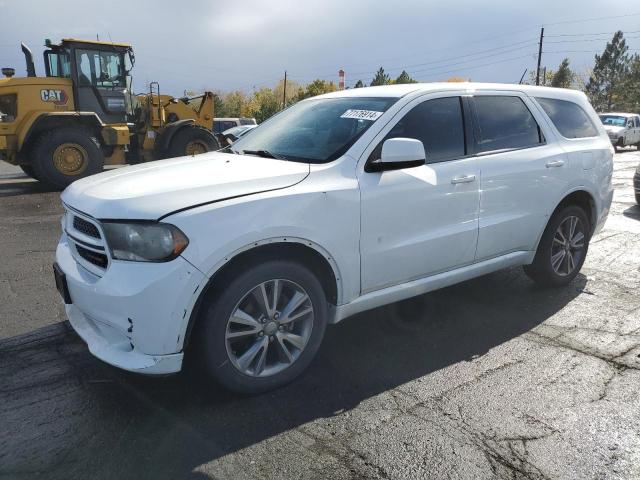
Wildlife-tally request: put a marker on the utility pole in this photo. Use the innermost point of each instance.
(284, 91)
(539, 56)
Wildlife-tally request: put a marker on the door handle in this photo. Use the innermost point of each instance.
(554, 163)
(463, 179)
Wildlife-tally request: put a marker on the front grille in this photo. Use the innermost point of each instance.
(88, 228)
(98, 259)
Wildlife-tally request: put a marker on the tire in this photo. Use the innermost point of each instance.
(28, 170)
(192, 141)
(637, 198)
(222, 357)
(542, 270)
(63, 155)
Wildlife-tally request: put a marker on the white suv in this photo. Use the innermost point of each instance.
(339, 204)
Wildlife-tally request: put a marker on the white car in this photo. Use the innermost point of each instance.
(337, 205)
(623, 128)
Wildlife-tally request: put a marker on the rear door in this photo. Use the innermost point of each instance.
(522, 173)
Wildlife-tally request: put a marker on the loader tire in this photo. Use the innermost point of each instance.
(192, 141)
(28, 170)
(63, 155)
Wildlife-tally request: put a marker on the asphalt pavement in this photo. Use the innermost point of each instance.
(492, 378)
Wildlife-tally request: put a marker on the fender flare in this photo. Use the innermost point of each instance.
(161, 145)
(40, 123)
(210, 275)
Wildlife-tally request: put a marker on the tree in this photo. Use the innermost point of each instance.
(457, 79)
(317, 87)
(404, 77)
(563, 78)
(631, 86)
(359, 84)
(381, 78)
(605, 86)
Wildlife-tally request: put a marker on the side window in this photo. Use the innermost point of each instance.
(505, 122)
(438, 123)
(84, 69)
(569, 118)
(637, 120)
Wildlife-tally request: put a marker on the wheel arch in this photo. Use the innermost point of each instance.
(46, 121)
(163, 141)
(584, 199)
(306, 252)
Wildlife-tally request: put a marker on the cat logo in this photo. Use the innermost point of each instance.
(59, 97)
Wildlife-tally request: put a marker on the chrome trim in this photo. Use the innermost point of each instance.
(76, 237)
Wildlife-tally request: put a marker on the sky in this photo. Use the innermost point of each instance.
(248, 44)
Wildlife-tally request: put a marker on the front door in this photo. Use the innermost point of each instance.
(420, 221)
(101, 84)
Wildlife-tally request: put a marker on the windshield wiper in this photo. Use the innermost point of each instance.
(262, 153)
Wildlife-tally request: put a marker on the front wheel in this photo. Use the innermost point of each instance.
(562, 249)
(264, 328)
(190, 141)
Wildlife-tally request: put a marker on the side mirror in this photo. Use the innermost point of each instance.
(398, 153)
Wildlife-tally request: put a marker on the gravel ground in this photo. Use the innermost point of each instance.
(492, 378)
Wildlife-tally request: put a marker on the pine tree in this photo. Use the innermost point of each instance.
(631, 86)
(381, 78)
(563, 78)
(359, 84)
(605, 86)
(404, 77)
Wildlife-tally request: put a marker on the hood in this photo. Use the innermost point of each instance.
(155, 189)
(613, 128)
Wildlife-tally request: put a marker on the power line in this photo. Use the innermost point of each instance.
(592, 19)
(589, 34)
(439, 63)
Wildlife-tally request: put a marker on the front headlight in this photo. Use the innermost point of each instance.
(144, 242)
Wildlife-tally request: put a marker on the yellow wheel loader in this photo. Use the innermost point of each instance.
(82, 115)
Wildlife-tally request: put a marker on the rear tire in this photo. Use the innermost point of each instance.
(28, 170)
(224, 343)
(556, 264)
(63, 155)
(192, 141)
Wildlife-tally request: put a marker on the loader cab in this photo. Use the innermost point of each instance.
(99, 72)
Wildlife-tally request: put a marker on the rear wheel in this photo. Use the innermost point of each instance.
(192, 141)
(264, 328)
(28, 170)
(562, 249)
(63, 155)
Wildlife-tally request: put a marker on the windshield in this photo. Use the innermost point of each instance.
(614, 120)
(316, 130)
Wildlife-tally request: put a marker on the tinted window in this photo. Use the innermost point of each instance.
(637, 120)
(438, 124)
(505, 123)
(569, 118)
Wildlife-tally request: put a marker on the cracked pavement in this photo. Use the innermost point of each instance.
(492, 378)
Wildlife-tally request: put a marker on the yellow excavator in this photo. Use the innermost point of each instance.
(82, 115)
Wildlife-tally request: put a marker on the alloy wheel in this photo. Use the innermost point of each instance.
(269, 328)
(567, 248)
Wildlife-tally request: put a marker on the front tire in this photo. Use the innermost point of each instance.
(264, 328)
(63, 155)
(192, 141)
(562, 249)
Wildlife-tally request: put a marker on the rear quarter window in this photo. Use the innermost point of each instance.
(568, 117)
